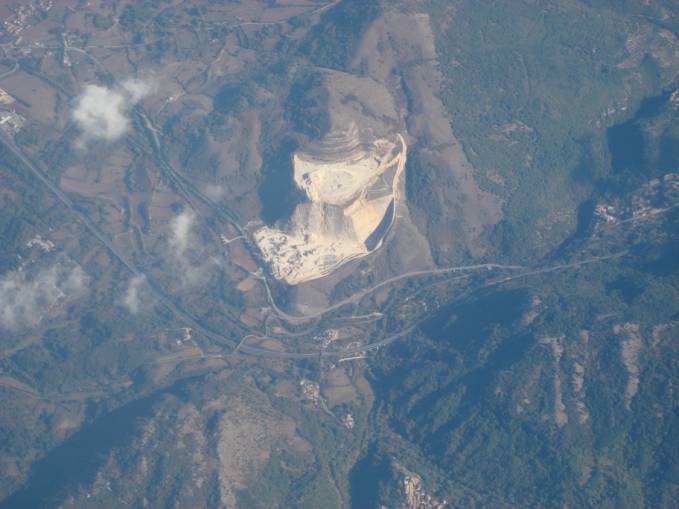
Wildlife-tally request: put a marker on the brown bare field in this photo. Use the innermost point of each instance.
(35, 92)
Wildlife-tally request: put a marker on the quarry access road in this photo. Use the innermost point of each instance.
(358, 296)
(242, 347)
(390, 339)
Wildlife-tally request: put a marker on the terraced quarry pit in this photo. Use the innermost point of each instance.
(351, 182)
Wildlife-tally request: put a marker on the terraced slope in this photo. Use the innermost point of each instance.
(350, 180)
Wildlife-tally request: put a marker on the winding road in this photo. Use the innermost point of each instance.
(242, 346)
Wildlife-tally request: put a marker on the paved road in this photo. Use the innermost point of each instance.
(390, 339)
(158, 293)
(555, 268)
(94, 230)
(358, 296)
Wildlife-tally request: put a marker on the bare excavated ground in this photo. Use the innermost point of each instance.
(351, 182)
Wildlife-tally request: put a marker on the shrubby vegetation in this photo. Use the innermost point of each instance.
(333, 42)
(307, 106)
(455, 391)
(528, 91)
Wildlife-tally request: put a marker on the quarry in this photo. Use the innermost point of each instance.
(350, 180)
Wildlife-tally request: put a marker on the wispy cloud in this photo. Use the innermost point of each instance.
(180, 228)
(132, 298)
(102, 113)
(137, 89)
(25, 298)
(187, 253)
(214, 191)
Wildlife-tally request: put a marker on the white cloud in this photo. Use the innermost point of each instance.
(137, 89)
(132, 299)
(186, 253)
(214, 191)
(75, 281)
(181, 231)
(26, 298)
(102, 112)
